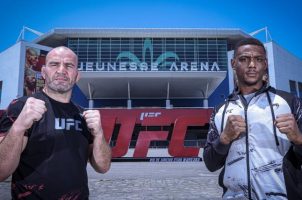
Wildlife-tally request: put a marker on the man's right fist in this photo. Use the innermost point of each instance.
(235, 125)
(32, 111)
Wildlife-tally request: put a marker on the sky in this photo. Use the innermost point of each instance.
(283, 18)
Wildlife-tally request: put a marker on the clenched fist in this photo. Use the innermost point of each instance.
(235, 125)
(93, 120)
(32, 111)
(286, 123)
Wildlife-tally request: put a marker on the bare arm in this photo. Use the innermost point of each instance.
(100, 157)
(13, 144)
(11, 147)
(100, 152)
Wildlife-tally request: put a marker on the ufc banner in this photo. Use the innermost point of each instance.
(126, 122)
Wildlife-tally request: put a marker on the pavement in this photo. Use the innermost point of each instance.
(149, 180)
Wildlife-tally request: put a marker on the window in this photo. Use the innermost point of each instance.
(0, 90)
(292, 87)
(300, 89)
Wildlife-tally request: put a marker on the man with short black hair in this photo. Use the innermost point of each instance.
(255, 135)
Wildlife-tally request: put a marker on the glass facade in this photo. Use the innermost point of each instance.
(150, 54)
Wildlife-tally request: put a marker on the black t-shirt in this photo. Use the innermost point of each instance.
(53, 164)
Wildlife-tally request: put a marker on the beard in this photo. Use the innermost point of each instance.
(59, 86)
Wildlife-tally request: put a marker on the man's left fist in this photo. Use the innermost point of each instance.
(93, 120)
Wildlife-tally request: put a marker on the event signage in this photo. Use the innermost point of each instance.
(177, 119)
(34, 61)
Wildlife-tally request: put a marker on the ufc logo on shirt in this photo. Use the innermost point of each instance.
(67, 124)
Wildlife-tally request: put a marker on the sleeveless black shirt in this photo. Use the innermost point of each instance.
(53, 164)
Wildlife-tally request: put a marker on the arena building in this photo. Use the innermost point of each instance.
(154, 87)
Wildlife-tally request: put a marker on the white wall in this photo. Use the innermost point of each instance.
(287, 67)
(12, 62)
(230, 71)
(10, 74)
(271, 64)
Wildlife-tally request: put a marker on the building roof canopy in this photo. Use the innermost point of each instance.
(156, 85)
(59, 36)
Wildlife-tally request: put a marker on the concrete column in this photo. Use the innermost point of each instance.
(205, 103)
(90, 103)
(168, 104)
(129, 104)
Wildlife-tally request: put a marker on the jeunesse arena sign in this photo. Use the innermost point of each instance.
(144, 66)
